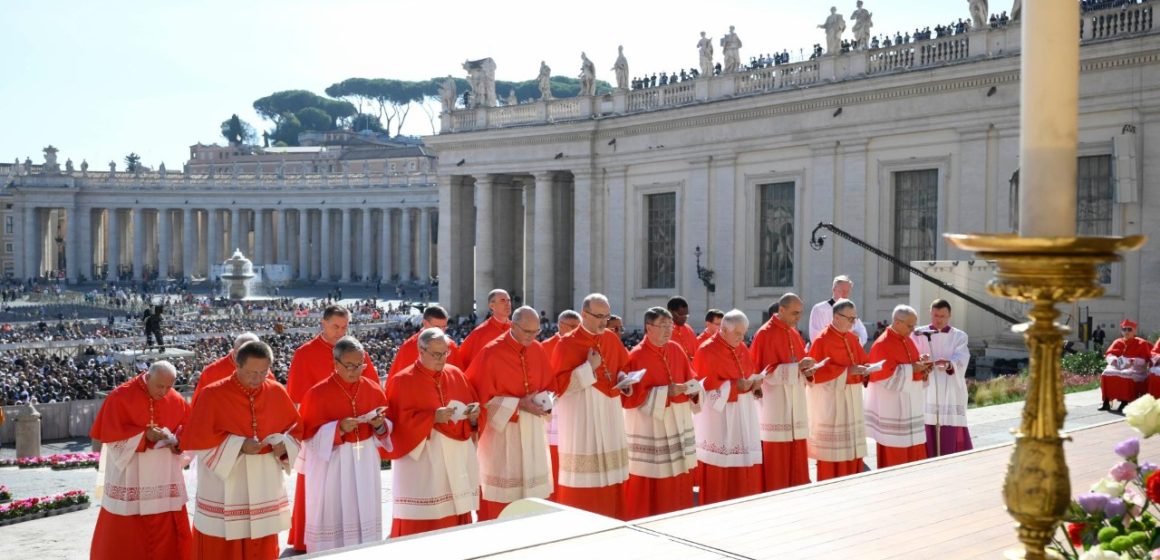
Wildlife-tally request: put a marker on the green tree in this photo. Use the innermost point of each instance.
(238, 132)
(286, 131)
(364, 121)
(315, 119)
(132, 162)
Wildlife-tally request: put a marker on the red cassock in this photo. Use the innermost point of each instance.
(785, 463)
(328, 401)
(411, 406)
(224, 412)
(1154, 380)
(570, 353)
(553, 450)
(219, 369)
(684, 336)
(1123, 389)
(313, 362)
(715, 363)
(896, 350)
(124, 414)
(483, 333)
(645, 496)
(844, 351)
(705, 335)
(506, 368)
(408, 353)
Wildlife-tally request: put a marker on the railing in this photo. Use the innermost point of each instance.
(564, 109)
(890, 58)
(942, 51)
(514, 114)
(1115, 22)
(266, 182)
(999, 41)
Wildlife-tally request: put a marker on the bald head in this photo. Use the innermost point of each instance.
(525, 325)
(568, 321)
(243, 338)
(159, 379)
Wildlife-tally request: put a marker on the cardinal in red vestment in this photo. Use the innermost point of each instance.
(500, 305)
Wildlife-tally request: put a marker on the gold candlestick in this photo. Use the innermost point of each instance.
(1042, 272)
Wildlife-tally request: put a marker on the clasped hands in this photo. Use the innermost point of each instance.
(253, 447)
(443, 414)
(153, 434)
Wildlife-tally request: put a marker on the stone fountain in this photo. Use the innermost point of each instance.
(236, 274)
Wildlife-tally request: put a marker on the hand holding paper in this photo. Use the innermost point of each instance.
(874, 367)
(545, 399)
(694, 386)
(366, 418)
(626, 380)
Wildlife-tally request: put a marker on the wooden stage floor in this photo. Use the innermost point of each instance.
(944, 508)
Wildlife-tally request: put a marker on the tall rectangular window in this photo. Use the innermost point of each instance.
(775, 224)
(915, 218)
(1093, 209)
(8, 225)
(660, 261)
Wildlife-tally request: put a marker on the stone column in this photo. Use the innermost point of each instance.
(88, 243)
(31, 243)
(347, 245)
(283, 256)
(582, 264)
(113, 232)
(965, 195)
(72, 244)
(694, 230)
(189, 243)
(614, 207)
(424, 245)
(544, 245)
(405, 249)
(724, 214)
(324, 250)
(385, 268)
(236, 238)
(260, 257)
(852, 209)
(28, 432)
(366, 268)
(213, 255)
(164, 242)
(819, 207)
(303, 245)
(484, 240)
(138, 243)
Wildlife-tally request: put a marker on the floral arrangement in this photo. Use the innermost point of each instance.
(5, 495)
(74, 460)
(1119, 517)
(30, 506)
(57, 462)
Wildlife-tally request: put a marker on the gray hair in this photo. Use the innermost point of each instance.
(492, 294)
(788, 298)
(842, 305)
(431, 334)
(162, 366)
(523, 311)
(244, 338)
(733, 319)
(568, 314)
(903, 311)
(593, 298)
(348, 344)
(840, 279)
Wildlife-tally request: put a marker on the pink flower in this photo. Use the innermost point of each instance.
(1123, 472)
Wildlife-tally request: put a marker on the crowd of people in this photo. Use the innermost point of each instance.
(1092, 5)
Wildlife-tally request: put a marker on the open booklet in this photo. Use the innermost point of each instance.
(875, 367)
(693, 386)
(169, 441)
(626, 380)
(459, 410)
(366, 418)
(545, 400)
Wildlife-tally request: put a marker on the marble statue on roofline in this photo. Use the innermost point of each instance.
(544, 80)
(731, 48)
(84, 168)
(447, 94)
(68, 166)
(161, 170)
(112, 167)
(621, 69)
(50, 165)
(481, 78)
(511, 98)
(979, 14)
(1017, 10)
(705, 51)
(587, 76)
(835, 25)
(862, 24)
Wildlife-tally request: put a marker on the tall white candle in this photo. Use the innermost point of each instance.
(1048, 120)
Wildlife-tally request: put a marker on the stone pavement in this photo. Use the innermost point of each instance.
(68, 536)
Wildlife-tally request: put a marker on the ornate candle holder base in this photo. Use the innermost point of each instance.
(1042, 272)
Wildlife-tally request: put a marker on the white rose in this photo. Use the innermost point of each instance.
(1096, 553)
(1143, 414)
(1109, 487)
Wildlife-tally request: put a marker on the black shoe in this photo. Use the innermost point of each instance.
(1107, 406)
(1120, 409)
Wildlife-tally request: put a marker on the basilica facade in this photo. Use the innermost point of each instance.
(710, 188)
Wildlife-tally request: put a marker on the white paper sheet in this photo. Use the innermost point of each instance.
(366, 418)
(626, 380)
(545, 400)
(694, 386)
(876, 366)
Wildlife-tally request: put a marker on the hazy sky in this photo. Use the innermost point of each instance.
(101, 79)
